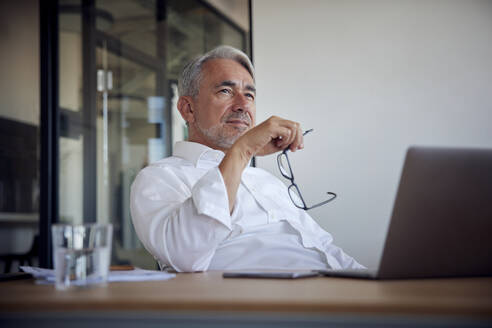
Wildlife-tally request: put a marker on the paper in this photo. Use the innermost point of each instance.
(137, 274)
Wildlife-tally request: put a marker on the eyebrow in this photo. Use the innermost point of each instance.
(229, 83)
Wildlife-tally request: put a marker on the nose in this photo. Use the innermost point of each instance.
(241, 103)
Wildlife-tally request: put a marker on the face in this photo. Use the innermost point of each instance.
(225, 106)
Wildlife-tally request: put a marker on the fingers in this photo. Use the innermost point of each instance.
(298, 141)
(284, 136)
(291, 136)
(273, 135)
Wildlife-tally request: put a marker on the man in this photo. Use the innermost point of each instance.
(204, 208)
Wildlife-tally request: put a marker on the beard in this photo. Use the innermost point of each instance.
(224, 136)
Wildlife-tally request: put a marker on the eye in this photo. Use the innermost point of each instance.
(251, 96)
(225, 91)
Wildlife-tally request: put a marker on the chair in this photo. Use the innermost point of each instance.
(25, 258)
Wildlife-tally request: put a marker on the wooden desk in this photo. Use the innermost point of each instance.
(469, 298)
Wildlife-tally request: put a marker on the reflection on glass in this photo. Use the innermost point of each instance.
(71, 105)
(194, 29)
(131, 22)
(71, 180)
(70, 55)
(135, 117)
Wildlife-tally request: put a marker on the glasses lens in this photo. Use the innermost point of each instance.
(296, 197)
(284, 167)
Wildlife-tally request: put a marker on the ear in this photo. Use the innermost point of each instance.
(185, 107)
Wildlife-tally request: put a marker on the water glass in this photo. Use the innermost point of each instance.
(81, 254)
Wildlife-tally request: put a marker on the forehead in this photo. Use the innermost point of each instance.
(218, 70)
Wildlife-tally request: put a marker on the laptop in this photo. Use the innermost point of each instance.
(441, 225)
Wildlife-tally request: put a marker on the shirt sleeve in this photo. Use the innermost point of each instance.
(179, 227)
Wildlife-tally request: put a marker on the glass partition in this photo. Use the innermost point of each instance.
(119, 64)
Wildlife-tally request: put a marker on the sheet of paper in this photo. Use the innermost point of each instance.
(137, 274)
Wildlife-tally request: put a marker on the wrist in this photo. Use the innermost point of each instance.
(241, 153)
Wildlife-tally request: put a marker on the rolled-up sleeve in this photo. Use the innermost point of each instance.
(180, 227)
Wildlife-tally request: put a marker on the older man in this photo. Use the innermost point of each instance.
(204, 208)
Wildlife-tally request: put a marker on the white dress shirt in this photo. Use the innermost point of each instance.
(180, 211)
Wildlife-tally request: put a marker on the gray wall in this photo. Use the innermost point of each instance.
(372, 78)
(19, 60)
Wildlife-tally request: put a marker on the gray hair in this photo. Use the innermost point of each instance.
(189, 81)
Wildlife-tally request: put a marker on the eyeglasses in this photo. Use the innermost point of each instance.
(294, 192)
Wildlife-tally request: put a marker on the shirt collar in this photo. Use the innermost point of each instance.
(196, 152)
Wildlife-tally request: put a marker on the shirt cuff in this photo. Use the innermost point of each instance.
(210, 197)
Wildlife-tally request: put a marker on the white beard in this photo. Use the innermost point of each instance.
(218, 137)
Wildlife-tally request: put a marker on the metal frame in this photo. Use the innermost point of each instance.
(89, 114)
(117, 47)
(250, 12)
(163, 131)
(49, 126)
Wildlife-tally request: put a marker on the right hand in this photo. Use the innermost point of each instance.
(273, 135)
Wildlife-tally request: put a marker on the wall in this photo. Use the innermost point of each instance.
(19, 48)
(371, 78)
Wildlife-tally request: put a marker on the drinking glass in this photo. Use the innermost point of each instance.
(81, 254)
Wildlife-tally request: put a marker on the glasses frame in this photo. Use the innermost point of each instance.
(293, 185)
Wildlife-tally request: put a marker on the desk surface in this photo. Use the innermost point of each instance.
(210, 292)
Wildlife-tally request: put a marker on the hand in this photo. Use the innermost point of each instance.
(273, 135)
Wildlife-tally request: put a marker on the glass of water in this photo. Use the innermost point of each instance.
(81, 254)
